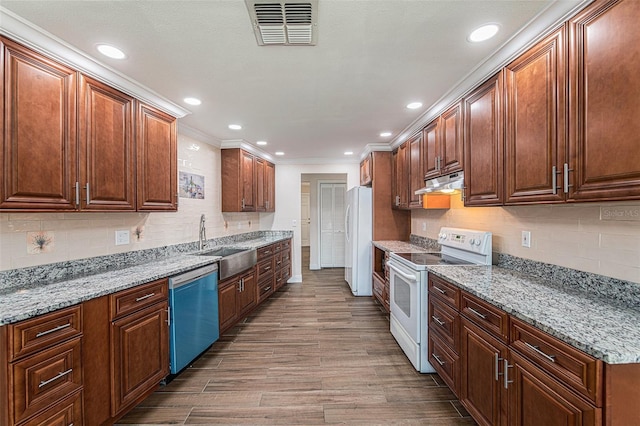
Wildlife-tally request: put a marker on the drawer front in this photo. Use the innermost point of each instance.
(285, 245)
(286, 256)
(445, 322)
(444, 291)
(134, 299)
(65, 413)
(32, 335)
(278, 260)
(378, 286)
(574, 368)
(265, 269)
(45, 378)
(266, 251)
(485, 315)
(265, 289)
(445, 362)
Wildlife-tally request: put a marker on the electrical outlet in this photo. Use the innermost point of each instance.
(294, 223)
(526, 239)
(424, 226)
(122, 237)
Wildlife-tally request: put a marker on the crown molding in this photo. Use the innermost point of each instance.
(35, 38)
(379, 146)
(198, 135)
(241, 143)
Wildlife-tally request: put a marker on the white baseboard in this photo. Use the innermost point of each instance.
(295, 279)
(314, 266)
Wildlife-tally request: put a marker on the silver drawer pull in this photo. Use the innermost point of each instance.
(477, 313)
(538, 351)
(53, 330)
(267, 289)
(138, 299)
(441, 362)
(436, 319)
(267, 268)
(54, 378)
(439, 289)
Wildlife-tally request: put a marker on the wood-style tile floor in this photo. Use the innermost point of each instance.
(312, 354)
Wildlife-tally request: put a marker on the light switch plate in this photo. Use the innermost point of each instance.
(122, 237)
(526, 239)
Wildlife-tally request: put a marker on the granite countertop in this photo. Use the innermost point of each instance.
(399, 246)
(604, 328)
(19, 303)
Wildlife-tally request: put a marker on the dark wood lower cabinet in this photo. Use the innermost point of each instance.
(237, 295)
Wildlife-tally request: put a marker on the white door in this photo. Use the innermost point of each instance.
(332, 226)
(305, 219)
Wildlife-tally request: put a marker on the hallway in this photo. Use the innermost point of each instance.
(312, 354)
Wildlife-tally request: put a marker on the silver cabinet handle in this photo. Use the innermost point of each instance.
(146, 296)
(464, 195)
(497, 366)
(441, 362)
(439, 289)
(267, 289)
(268, 268)
(243, 204)
(477, 313)
(554, 179)
(566, 178)
(169, 316)
(538, 351)
(88, 196)
(436, 319)
(53, 330)
(77, 188)
(54, 378)
(506, 373)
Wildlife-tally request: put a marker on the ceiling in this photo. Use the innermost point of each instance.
(313, 103)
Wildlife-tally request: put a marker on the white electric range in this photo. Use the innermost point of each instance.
(408, 296)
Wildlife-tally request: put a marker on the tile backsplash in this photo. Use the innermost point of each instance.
(580, 236)
(74, 236)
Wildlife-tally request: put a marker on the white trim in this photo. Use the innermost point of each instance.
(241, 143)
(34, 37)
(371, 147)
(196, 134)
(295, 279)
(540, 26)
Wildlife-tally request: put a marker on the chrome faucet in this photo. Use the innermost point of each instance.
(202, 238)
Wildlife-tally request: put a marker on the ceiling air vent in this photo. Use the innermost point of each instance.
(285, 23)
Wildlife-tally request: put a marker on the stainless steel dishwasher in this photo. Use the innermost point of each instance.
(193, 304)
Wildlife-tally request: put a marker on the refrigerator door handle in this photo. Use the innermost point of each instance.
(346, 222)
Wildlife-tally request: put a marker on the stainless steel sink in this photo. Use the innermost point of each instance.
(234, 260)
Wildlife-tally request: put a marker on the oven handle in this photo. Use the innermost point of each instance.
(412, 278)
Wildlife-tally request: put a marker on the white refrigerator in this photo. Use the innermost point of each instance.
(358, 226)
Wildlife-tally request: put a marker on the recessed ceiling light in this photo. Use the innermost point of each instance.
(414, 105)
(348, 153)
(385, 134)
(279, 153)
(192, 101)
(261, 143)
(235, 126)
(483, 33)
(111, 51)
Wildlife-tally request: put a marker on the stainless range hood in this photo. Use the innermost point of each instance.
(449, 184)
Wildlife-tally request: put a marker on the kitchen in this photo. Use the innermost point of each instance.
(572, 235)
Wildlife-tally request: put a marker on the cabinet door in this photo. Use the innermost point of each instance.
(481, 387)
(38, 155)
(483, 145)
(535, 111)
(107, 150)
(227, 305)
(248, 294)
(451, 148)
(604, 108)
(536, 399)
(157, 160)
(365, 171)
(416, 175)
(430, 151)
(400, 189)
(260, 184)
(139, 354)
(247, 175)
(270, 186)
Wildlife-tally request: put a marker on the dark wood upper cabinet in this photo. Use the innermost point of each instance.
(157, 164)
(38, 155)
(483, 144)
(400, 177)
(107, 149)
(270, 186)
(430, 149)
(260, 189)
(535, 122)
(603, 104)
(451, 147)
(416, 174)
(248, 182)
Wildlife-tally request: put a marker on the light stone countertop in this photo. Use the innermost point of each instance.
(399, 246)
(19, 303)
(604, 328)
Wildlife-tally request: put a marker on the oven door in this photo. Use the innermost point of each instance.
(404, 301)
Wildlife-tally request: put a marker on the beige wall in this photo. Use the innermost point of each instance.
(571, 235)
(81, 235)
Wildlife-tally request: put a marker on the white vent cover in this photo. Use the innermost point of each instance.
(284, 23)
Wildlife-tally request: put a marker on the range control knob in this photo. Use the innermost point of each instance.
(442, 236)
(471, 241)
(477, 241)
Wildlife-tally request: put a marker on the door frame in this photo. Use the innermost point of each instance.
(317, 262)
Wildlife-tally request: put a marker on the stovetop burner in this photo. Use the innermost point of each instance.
(428, 259)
